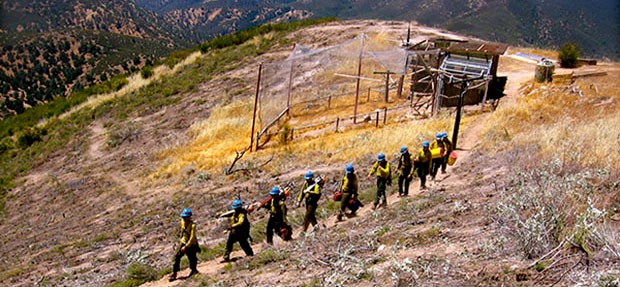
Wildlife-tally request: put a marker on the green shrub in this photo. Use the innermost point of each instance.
(286, 134)
(207, 253)
(176, 57)
(146, 72)
(141, 271)
(569, 53)
(29, 137)
(247, 34)
(5, 185)
(6, 144)
(267, 256)
(137, 273)
(119, 135)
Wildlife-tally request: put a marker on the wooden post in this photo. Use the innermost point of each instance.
(377, 119)
(257, 139)
(387, 83)
(359, 75)
(368, 96)
(384, 115)
(290, 85)
(260, 68)
(292, 132)
(486, 92)
(337, 123)
(457, 120)
(401, 81)
(387, 87)
(329, 102)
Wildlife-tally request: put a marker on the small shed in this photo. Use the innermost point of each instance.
(438, 64)
(473, 60)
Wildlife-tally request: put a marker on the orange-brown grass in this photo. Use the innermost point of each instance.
(508, 64)
(573, 122)
(213, 142)
(362, 143)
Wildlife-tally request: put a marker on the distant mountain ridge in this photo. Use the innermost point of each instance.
(593, 25)
(51, 47)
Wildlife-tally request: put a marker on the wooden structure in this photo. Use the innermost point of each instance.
(437, 64)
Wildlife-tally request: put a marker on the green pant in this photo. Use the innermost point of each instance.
(381, 187)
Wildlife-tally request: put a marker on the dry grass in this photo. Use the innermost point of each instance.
(575, 122)
(213, 141)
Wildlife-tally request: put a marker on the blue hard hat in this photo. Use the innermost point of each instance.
(275, 191)
(349, 168)
(425, 144)
(403, 149)
(444, 135)
(237, 204)
(439, 136)
(380, 157)
(309, 175)
(186, 212)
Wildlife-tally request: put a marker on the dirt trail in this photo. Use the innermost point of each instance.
(213, 267)
(467, 141)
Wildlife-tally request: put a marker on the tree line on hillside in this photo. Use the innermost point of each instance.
(43, 68)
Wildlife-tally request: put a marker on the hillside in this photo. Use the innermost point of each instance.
(95, 200)
(53, 48)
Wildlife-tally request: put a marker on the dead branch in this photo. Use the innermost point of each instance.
(237, 158)
(239, 155)
(322, 262)
(549, 253)
(565, 272)
(267, 139)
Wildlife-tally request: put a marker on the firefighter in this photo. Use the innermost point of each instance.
(277, 214)
(311, 192)
(423, 163)
(438, 159)
(189, 245)
(448, 147)
(349, 192)
(404, 168)
(384, 178)
(239, 230)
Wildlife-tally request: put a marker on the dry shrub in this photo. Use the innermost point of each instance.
(547, 203)
(574, 123)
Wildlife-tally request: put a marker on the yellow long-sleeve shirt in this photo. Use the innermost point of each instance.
(349, 185)
(188, 233)
(437, 144)
(425, 157)
(315, 190)
(237, 219)
(382, 172)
